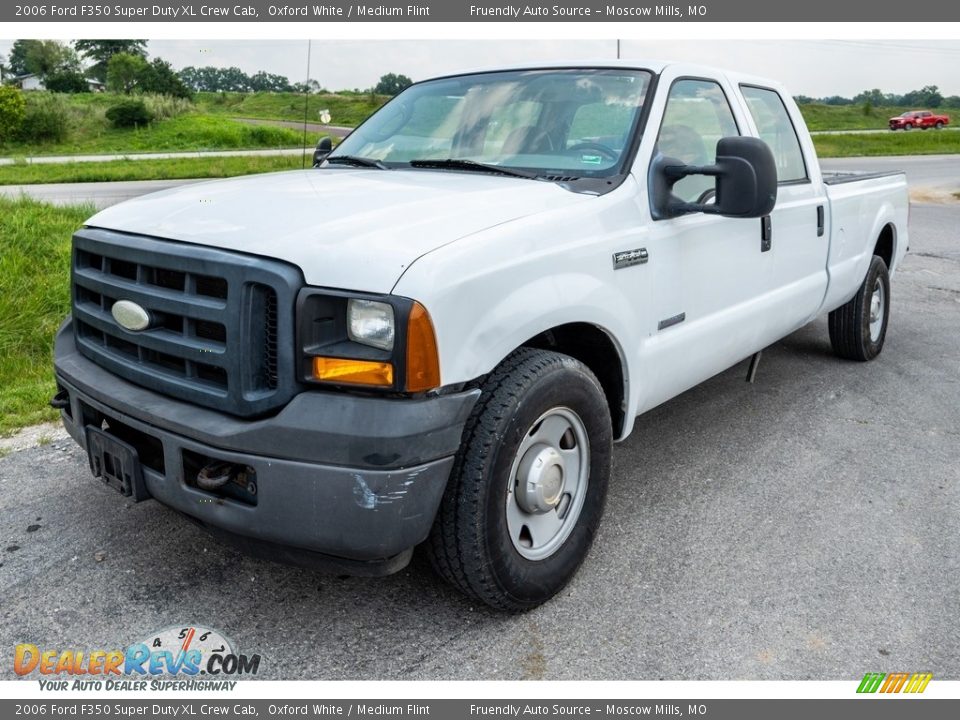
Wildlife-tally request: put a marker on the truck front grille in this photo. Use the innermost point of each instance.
(221, 324)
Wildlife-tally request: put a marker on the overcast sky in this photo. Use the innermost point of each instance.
(808, 67)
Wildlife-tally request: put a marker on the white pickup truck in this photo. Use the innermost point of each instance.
(435, 335)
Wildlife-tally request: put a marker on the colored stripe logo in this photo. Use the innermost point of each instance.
(894, 682)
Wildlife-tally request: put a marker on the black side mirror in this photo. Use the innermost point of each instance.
(324, 146)
(746, 181)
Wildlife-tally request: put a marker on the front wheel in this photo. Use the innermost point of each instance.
(527, 490)
(939, 125)
(858, 329)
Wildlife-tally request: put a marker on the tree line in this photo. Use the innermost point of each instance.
(926, 97)
(123, 67)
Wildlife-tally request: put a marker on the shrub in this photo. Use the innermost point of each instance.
(164, 107)
(47, 118)
(129, 113)
(12, 112)
(66, 81)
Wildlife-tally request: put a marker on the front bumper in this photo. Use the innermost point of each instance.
(344, 481)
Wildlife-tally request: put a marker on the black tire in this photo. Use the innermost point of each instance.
(908, 126)
(469, 545)
(850, 333)
(939, 125)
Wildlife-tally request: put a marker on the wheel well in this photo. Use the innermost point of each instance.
(884, 246)
(594, 348)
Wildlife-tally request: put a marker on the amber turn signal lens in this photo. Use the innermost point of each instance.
(423, 360)
(353, 372)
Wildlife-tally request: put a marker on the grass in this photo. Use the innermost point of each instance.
(34, 300)
(187, 132)
(916, 142)
(848, 117)
(115, 170)
(345, 110)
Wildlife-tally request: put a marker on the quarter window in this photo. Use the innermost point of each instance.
(776, 129)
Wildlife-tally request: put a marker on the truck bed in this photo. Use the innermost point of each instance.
(840, 177)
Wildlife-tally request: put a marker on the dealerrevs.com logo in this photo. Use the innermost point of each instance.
(887, 683)
(178, 658)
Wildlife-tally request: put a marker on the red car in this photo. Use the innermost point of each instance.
(922, 119)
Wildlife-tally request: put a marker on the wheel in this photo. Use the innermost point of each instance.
(609, 152)
(908, 126)
(939, 125)
(858, 329)
(527, 489)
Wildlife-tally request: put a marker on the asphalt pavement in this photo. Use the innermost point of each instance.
(803, 527)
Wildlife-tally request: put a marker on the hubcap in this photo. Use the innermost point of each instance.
(548, 483)
(877, 303)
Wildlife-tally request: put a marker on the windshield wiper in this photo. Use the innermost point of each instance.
(471, 166)
(356, 161)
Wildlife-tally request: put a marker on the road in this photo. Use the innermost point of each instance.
(936, 172)
(109, 157)
(803, 527)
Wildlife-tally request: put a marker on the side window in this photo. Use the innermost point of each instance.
(776, 129)
(697, 116)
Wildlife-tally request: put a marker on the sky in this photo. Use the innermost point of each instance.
(817, 68)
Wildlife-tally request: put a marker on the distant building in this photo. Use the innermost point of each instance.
(35, 82)
(29, 82)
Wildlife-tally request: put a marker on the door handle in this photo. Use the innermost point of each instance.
(820, 221)
(766, 233)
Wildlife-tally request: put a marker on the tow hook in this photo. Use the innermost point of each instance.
(218, 473)
(61, 400)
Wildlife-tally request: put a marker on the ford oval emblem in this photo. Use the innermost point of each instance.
(130, 316)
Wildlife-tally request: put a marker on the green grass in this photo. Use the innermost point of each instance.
(114, 170)
(187, 132)
(345, 110)
(34, 300)
(917, 142)
(847, 117)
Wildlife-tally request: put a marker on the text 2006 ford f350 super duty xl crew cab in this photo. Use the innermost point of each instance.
(436, 335)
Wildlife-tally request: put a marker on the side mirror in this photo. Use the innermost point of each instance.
(324, 146)
(746, 181)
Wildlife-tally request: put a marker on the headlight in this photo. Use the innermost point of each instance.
(380, 341)
(371, 323)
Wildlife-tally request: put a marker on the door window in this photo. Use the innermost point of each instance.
(697, 116)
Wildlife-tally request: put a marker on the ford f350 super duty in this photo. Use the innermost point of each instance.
(435, 335)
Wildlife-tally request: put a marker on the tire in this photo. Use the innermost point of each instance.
(908, 126)
(476, 544)
(859, 328)
(939, 125)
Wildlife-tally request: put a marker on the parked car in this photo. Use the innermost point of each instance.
(922, 119)
(436, 336)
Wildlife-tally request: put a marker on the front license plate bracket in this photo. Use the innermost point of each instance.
(116, 463)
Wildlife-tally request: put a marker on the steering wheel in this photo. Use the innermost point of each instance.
(610, 153)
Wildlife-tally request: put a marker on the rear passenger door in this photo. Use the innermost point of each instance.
(799, 240)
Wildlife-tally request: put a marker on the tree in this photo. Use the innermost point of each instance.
(874, 97)
(160, 77)
(100, 52)
(124, 72)
(42, 57)
(66, 81)
(392, 84)
(268, 82)
(13, 109)
(926, 97)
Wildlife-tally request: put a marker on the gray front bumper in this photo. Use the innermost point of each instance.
(358, 479)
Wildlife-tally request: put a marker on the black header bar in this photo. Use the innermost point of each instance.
(635, 11)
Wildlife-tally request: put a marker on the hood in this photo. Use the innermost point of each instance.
(354, 229)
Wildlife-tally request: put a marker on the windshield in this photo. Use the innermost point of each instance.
(570, 123)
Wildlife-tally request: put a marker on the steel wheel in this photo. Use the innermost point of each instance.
(878, 300)
(548, 483)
